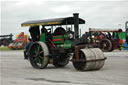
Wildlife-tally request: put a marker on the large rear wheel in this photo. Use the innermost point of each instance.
(38, 55)
(105, 45)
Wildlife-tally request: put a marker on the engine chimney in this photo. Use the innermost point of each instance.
(76, 25)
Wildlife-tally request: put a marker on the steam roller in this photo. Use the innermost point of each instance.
(54, 45)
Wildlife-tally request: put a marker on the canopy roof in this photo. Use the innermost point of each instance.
(50, 22)
(104, 30)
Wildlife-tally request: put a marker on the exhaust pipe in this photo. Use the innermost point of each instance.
(76, 25)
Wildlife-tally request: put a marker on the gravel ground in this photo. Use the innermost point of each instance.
(17, 71)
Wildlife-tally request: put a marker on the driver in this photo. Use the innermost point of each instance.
(44, 30)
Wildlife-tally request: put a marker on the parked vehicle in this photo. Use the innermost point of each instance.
(5, 40)
(20, 42)
(105, 39)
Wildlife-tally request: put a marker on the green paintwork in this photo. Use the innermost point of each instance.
(67, 44)
(36, 50)
(65, 36)
(58, 37)
(42, 37)
(122, 35)
(64, 43)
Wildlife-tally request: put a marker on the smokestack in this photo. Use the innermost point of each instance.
(76, 25)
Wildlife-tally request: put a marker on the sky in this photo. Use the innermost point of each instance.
(105, 14)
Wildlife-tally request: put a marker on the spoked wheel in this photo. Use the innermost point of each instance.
(61, 61)
(38, 55)
(105, 45)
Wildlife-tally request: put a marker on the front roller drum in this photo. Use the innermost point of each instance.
(89, 59)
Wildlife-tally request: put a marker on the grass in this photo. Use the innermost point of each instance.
(4, 49)
(8, 49)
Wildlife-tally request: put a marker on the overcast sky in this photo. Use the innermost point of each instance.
(98, 14)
